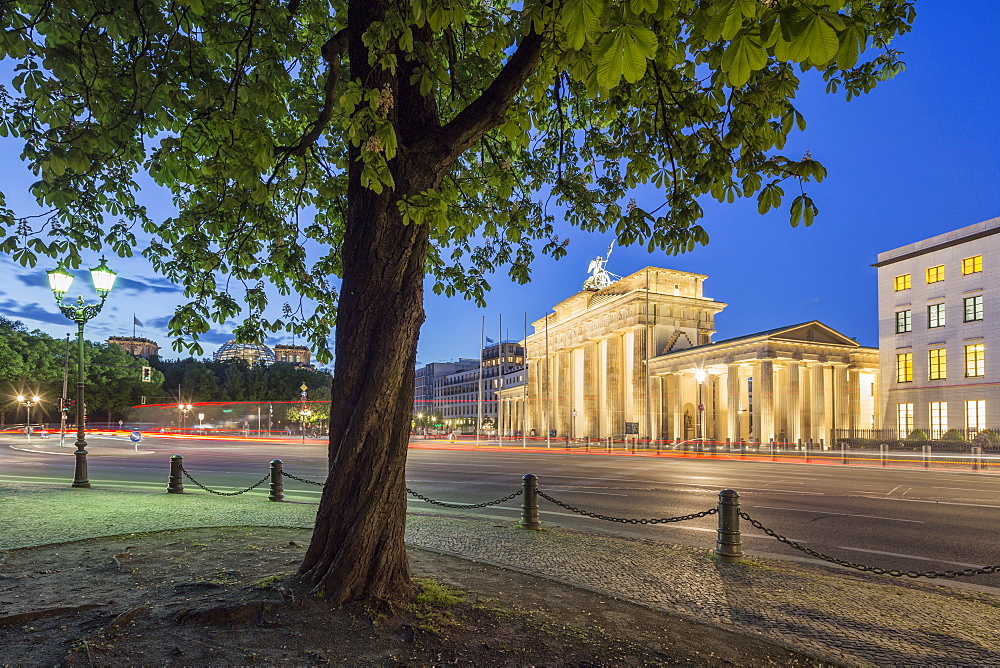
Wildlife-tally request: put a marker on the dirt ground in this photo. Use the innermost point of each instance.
(215, 597)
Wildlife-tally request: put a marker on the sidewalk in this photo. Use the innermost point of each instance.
(834, 615)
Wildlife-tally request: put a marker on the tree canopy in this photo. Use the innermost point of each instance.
(243, 110)
(378, 141)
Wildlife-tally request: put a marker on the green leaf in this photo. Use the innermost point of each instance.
(623, 52)
(816, 43)
(742, 57)
(581, 19)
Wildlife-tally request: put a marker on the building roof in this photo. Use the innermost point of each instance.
(795, 332)
(953, 238)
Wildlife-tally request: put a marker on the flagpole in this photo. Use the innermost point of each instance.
(524, 391)
(479, 411)
(548, 384)
(500, 384)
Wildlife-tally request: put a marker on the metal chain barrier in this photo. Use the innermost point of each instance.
(212, 491)
(465, 505)
(310, 482)
(967, 572)
(624, 520)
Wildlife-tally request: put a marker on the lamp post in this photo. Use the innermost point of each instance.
(28, 403)
(700, 375)
(60, 280)
(302, 413)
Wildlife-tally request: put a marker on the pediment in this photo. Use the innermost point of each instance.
(813, 332)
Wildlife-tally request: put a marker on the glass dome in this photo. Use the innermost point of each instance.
(251, 353)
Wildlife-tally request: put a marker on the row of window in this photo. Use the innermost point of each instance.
(937, 363)
(935, 274)
(975, 417)
(972, 310)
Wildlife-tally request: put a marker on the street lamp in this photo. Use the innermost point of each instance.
(28, 403)
(699, 375)
(184, 410)
(60, 280)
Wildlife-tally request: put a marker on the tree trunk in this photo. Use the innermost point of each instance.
(357, 550)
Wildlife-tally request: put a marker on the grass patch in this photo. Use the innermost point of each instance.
(432, 606)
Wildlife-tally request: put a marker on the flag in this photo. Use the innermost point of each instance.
(489, 340)
(135, 320)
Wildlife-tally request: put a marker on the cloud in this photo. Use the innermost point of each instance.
(812, 302)
(32, 311)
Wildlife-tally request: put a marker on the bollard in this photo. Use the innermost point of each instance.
(609, 444)
(843, 452)
(822, 445)
(798, 444)
(926, 455)
(529, 505)
(743, 449)
(977, 458)
(883, 453)
(729, 445)
(586, 439)
(728, 546)
(175, 483)
(771, 446)
(276, 490)
(805, 449)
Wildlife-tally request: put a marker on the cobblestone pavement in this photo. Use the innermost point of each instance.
(834, 615)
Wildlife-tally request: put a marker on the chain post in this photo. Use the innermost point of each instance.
(926, 455)
(728, 546)
(883, 453)
(529, 506)
(843, 453)
(276, 490)
(806, 447)
(977, 458)
(771, 446)
(175, 483)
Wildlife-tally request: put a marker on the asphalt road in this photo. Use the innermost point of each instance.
(907, 519)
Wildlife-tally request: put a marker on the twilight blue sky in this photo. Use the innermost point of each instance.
(918, 156)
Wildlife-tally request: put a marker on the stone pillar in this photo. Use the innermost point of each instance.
(817, 379)
(591, 391)
(676, 406)
(765, 391)
(656, 406)
(732, 401)
(853, 403)
(534, 406)
(616, 386)
(639, 336)
(565, 394)
(793, 402)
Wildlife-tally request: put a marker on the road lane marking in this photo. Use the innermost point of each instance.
(966, 489)
(908, 556)
(943, 503)
(823, 512)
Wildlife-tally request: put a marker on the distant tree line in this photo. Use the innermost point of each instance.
(33, 363)
(235, 380)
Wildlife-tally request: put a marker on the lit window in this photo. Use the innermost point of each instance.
(904, 321)
(975, 360)
(972, 265)
(937, 364)
(904, 367)
(935, 274)
(973, 308)
(939, 418)
(904, 419)
(975, 414)
(935, 315)
(902, 282)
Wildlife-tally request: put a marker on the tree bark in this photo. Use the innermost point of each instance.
(357, 550)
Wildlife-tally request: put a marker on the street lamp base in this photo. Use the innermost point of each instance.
(80, 478)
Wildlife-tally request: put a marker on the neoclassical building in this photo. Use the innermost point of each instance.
(636, 358)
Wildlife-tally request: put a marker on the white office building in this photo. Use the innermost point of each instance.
(939, 343)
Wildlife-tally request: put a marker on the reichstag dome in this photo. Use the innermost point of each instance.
(251, 353)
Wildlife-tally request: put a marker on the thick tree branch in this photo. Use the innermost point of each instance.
(488, 110)
(332, 51)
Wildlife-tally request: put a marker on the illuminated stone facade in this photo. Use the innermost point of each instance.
(625, 360)
(137, 346)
